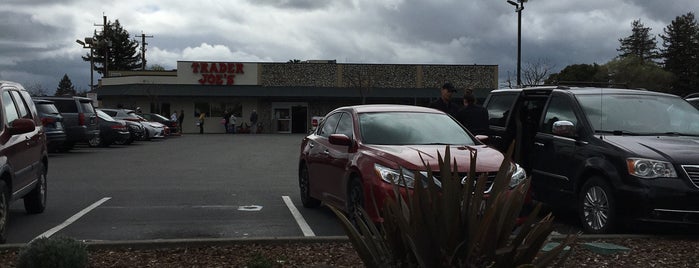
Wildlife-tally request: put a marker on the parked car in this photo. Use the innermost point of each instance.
(79, 120)
(357, 151)
(612, 155)
(151, 129)
(112, 130)
(171, 124)
(52, 120)
(23, 154)
(136, 130)
(693, 99)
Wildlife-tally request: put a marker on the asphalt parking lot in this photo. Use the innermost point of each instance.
(190, 186)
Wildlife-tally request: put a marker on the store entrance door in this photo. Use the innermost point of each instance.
(299, 122)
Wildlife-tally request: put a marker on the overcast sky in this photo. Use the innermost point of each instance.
(37, 37)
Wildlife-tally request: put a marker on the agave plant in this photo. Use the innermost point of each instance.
(455, 224)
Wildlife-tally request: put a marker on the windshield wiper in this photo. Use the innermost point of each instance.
(674, 133)
(617, 132)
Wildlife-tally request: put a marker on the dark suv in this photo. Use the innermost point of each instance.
(79, 121)
(611, 154)
(53, 124)
(23, 156)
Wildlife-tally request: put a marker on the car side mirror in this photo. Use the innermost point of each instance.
(563, 128)
(340, 139)
(21, 125)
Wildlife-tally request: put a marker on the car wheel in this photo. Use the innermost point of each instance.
(4, 210)
(305, 187)
(94, 141)
(355, 199)
(596, 206)
(35, 201)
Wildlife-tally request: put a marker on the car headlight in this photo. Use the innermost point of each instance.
(393, 176)
(649, 169)
(518, 175)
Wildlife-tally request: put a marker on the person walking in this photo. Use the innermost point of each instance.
(473, 116)
(180, 120)
(444, 103)
(253, 121)
(202, 117)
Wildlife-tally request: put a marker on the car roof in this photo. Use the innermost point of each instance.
(372, 108)
(585, 90)
(42, 101)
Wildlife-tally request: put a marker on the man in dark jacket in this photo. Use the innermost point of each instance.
(444, 103)
(473, 116)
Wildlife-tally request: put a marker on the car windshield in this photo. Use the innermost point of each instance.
(157, 117)
(104, 116)
(411, 128)
(640, 114)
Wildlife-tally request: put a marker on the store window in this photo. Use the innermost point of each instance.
(202, 107)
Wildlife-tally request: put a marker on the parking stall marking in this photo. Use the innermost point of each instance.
(305, 228)
(72, 219)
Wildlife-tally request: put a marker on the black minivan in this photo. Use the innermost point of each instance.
(614, 155)
(79, 121)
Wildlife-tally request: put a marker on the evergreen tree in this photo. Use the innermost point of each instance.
(681, 53)
(584, 73)
(121, 51)
(639, 44)
(65, 87)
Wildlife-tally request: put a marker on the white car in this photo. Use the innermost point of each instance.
(153, 129)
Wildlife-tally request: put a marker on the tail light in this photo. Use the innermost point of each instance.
(48, 120)
(81, 119)
(119, 127)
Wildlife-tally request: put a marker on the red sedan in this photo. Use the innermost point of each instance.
(358, 150)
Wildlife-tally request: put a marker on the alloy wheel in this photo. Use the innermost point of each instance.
(596, 208)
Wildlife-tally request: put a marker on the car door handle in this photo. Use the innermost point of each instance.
(539, 144)
(327, 152)
(311, 145)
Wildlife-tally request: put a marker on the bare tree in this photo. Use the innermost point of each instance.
(535, 73)
(36, 89)
(361, 78)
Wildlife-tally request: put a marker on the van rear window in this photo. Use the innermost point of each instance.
(87, 107)
(66, 106)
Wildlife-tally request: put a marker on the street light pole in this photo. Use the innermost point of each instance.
(88, 44)
(519, 6)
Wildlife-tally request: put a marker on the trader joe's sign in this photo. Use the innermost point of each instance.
(217, 73)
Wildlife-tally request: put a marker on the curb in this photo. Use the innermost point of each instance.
(173, 243)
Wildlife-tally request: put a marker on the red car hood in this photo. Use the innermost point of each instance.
(409, 156)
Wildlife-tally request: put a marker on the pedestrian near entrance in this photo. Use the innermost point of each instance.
(253, 121)
(473, 116)
(180, 119)
(202, 117)
(224, 121)
(231, 123)
(444, 102)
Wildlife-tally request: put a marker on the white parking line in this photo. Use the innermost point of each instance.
(299, 218)
(72, 219)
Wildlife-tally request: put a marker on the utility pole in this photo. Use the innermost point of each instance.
(107, 44)
(143, 50)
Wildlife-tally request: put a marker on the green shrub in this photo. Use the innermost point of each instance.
(455, 225)
(55, 252)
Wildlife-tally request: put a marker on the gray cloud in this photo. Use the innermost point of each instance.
(37, 39)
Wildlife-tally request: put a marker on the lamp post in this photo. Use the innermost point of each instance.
(519, 6)
(88, 43)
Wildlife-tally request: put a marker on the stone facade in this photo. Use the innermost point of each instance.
(377, 75)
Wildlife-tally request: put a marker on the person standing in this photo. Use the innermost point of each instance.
(180, 120)
(202, 117)
(224, 121)
(444, 103)
(473, 116)
(253, 121)
(231, 122)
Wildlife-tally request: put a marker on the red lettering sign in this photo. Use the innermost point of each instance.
(217, 73)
